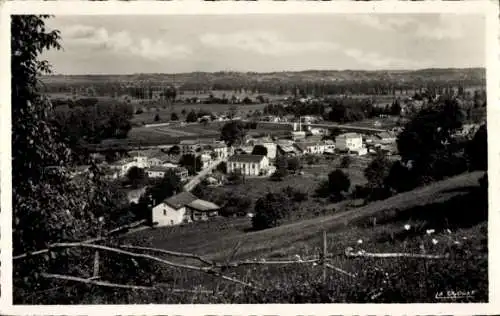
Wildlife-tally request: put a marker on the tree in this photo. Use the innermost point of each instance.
(174, 150)
(135, 175)
(270, 210)
(427, 143)
(338, 182)
(191, 117)
(395, 108)
(281, 168)
(345, 162)
(376, 173)
(174, 116)
(222, 167)
(48, 205)
(259, 150)
(477, 150)
(191, 162)
(233, 132)
(294, 164)
(236, 205)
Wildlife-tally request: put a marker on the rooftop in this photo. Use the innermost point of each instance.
(246, 158)
(349, 135)
(158, 169)
(189, 142)
(203, 206)
(179, 200)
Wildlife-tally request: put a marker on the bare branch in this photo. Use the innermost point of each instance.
(171, 253)
(351, 253)
(264, 262)
(88, 241)
(92, 282)
(339, 270)
(208, 270)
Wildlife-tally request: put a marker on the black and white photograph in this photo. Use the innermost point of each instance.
(267, 158)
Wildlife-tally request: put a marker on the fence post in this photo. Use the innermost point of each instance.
(324, 255)
(96, 257)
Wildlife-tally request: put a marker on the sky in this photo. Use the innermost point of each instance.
(265, 43)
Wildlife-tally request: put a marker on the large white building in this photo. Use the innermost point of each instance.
(352, 142)
(250, 165)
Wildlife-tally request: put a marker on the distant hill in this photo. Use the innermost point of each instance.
(469, 75)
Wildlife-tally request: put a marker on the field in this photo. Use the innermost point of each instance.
(164, 111)
(378, 227)
(175, 133)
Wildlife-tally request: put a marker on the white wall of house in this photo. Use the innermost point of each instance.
(155, 174)
(349, 142)
(249, 168)
(271, 149)
(165, 215)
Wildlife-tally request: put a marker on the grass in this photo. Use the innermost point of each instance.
(442, 206)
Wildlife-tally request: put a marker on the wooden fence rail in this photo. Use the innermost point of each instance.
(210, 267)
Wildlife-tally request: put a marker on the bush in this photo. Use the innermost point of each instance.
(338, 182)
(139, 111)
(270, 210)
(222, 167)
(236, 206)
(157, 117)
(345, 162)
(295, 195)
(294, 164)
(235, 177)
(174, 116)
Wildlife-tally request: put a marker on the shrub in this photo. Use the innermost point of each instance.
(235, 177)
(294, 164)
(174, 116)
(345, 162)
(270, 210)
(236, 205)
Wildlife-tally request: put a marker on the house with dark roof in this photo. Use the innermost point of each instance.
(183, 208)
(250, 165)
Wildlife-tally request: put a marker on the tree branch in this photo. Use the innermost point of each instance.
(351, 253)
(339, 270)
(88, 241)
(92, 282)
(208, 270)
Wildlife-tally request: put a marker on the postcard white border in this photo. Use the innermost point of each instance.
(488, 8)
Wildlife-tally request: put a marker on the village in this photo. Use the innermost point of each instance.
(254, 157)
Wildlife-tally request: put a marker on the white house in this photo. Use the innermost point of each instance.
(349, 142)
(182, 208)
(251, 165)
(310, 148)
(156, 172)
(124, 165)
(219, 149)
(386, 138)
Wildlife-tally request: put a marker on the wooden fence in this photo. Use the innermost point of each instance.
(208, 266)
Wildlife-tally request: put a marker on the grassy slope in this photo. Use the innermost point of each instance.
(216, 243)
(451, 204)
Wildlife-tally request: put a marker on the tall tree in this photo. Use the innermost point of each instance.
(48, 205)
